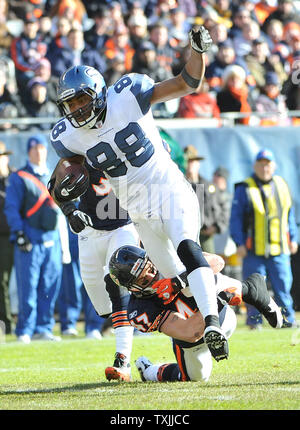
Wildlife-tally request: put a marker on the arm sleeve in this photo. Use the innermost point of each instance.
(13, 203)
(293, 230)
(142, 88)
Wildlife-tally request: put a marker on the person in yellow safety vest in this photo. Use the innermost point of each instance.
(263, 227)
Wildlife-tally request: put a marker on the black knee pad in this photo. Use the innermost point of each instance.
(190, 253)
(118, 297)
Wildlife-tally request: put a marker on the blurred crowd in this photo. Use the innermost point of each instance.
(253, 65)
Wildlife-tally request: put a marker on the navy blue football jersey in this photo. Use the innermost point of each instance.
(147, 315)
(100, 203)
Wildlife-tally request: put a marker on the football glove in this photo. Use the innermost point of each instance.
(200, 40)
(77, 219)
(167, 289)
(23, 242)
(68, 189)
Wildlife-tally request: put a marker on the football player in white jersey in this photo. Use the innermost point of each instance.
(115, 132)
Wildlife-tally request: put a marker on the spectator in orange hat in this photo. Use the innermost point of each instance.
(263, 9)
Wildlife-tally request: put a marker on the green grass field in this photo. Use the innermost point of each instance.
(262, 373)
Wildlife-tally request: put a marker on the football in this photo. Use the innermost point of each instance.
(71, 180)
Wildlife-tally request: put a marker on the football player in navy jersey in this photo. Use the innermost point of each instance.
(166, 305)
(99, 236)
(114, 130)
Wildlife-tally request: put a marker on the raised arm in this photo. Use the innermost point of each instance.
(191, 76)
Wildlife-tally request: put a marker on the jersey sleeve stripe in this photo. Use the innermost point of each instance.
(142, 89)
(61, 150)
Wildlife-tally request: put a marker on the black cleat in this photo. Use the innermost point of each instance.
(257, 295)
(216, 343)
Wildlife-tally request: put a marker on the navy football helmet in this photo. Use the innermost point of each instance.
(75, 82)
(131, 268)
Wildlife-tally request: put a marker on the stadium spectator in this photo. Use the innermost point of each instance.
(26, 51)
(225, 57)
(138, 30)
(235, 95)
(22, 10)
(271, 101)
(240, 17)
(224, 11)
(37, 104)
(116, 15)
(74, 10)
(6, 248)
(5, 36)
(243, 43)
(60, 39)
(285, 12)
(212, 221)
(293, 40)
(9, 96)
(260, 61)
(42, 71)
(32, 217)
(166, 54)
(189, 7)
(115, 69)
(74, 54)
(263, 226)
(250, 6)
(119, 43)
(275, 39)
(179, 26)
(145, 62)
(73, 298)
(98, 34)
(199, 104)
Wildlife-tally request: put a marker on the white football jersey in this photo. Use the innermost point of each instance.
(127, 148)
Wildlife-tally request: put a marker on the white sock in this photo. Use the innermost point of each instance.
(124, 337)
(150, 373)
(202, 285)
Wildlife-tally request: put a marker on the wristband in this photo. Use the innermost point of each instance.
(189, 80)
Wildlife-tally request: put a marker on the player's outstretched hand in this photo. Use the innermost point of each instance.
(166, 289)
(200, 40)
